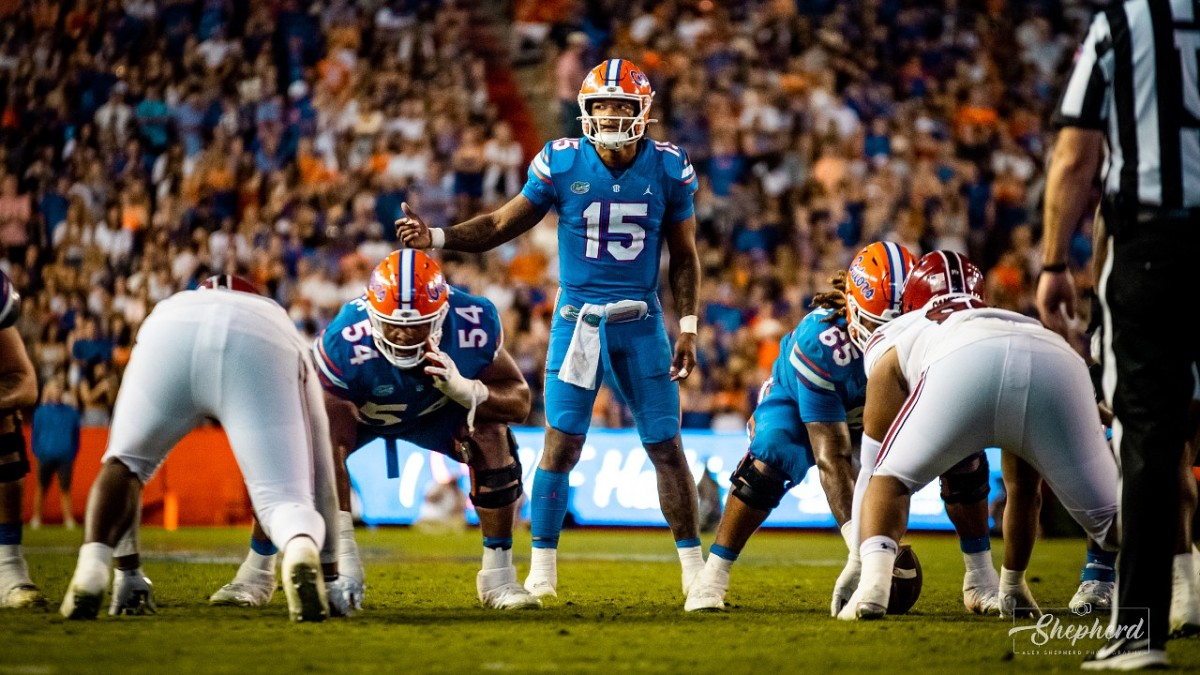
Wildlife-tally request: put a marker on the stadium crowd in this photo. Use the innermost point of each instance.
(148, 143)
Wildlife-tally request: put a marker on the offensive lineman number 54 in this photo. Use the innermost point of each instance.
(468, 338)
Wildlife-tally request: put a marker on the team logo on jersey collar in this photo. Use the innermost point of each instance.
(384, 390)
(580, 187)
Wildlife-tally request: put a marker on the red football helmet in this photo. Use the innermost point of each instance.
(941, 276)
(407, 289)
(873, 287)
(230, 282)
(615, 79)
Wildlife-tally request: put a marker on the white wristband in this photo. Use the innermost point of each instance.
(688, 324)
(437, 237)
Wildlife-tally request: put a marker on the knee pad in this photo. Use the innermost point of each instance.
(505, 482)
(755, 488)
(967, 482)
(14, 460)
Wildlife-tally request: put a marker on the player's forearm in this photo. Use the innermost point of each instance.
(479, 234)
(507, 402)
(684, 274)
(837, 479)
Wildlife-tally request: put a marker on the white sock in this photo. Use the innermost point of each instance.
(718, 564)
(878, 555)
(980, 570)
(91, 572)
(497, 558)
(349, 563)
(691, 558)
(257, 565)
(9, 551)
(543, 563)
(1185, 566)
(849, 531)
(1011, 579)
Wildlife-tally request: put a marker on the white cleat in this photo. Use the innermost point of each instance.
(707, 591)
(866, 604)
(85, 593)
(498, 589)
(303, 582)
(1092, 594)
(16, 590)
(22, 595)
(246, 591)
(1184, 618)
(132, 594)
(542, 587)
(981, 591)
(1018, 602)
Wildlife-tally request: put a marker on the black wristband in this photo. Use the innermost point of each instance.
(1055, 268)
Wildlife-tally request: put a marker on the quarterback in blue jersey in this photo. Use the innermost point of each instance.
(619, 198)
(415, 360)
(17, 391)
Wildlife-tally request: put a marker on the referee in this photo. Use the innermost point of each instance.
(1134, 90)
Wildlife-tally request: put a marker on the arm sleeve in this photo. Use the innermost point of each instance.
(1084, 101)
(683, 186)
(539, 186)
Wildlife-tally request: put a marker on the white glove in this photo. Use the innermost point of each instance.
(345, 595)
(467, 393)
(132, 593)
(847, 582)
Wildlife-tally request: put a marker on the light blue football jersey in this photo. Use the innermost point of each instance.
(611, 227)
(822, 370)
(390, 399)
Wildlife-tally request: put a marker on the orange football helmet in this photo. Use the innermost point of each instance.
(943, 275)
(407, 289)
(874, 287)
(615, 79)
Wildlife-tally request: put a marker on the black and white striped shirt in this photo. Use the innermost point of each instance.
(1136, 77)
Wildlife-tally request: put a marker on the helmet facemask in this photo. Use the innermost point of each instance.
(629, 129)
(406, 356)
(859, 332)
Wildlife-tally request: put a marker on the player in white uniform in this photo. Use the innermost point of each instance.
(952, 376)
(227, 353)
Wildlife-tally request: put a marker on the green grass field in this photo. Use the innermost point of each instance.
(619, 610)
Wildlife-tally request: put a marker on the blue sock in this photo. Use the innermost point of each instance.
(976, 545)
(549, 507)
(1101, 566)
(10, 534)
(685, 543)
(502, 543)
(263, 547)
(723, 553)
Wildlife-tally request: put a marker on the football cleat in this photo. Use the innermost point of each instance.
(542, 585)
(867, 604)
(21, 596)
(1126, 654)
(981, 591)
(303, 582)
(1184, 618)
(16, 590)
(499, 589)
(707, 592)
(132, 594)
(246, 591)
(81, 604)
(1017, 601)
(1093, 594)
(345, 595)
(688, 577)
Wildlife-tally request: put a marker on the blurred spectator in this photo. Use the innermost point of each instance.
(569, 71)
(97, 394)
(55, 441)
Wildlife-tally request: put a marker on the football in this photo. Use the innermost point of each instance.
(906, 581)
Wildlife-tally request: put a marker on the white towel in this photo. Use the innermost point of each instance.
(582, 361)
